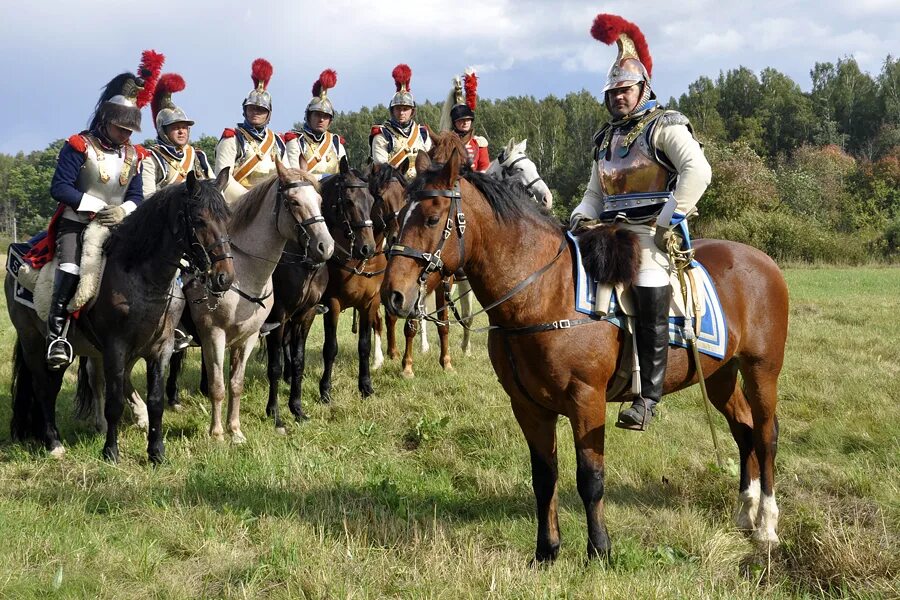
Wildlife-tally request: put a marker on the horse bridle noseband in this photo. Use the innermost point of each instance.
(201, 269)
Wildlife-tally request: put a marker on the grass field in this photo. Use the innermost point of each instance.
(423, 491)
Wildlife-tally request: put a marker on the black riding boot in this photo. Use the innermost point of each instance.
(59, 353)
(652, 333)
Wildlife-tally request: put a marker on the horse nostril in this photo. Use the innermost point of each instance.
(366, 251)
(397, 300)
(222, 280)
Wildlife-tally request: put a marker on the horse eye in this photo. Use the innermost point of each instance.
(432, 221)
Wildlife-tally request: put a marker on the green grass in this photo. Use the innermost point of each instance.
(423, 491)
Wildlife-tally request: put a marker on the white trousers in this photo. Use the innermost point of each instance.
(654, 269)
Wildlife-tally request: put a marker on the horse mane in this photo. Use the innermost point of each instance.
(379, 179)
(138, 237)
(246, 209)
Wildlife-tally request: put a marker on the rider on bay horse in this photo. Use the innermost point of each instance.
(98, 176)
(251, 148)
(458, 115)
(648, 174)
(172, 156)
(322, 149)
(400, 137)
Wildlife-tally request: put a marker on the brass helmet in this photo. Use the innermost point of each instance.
(320, 101)
(633, 63)
(123, 97)
(402, 75)
(261, 73)
(165, 111)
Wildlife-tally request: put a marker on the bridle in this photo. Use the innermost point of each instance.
(201, 259)
(509, 171)
(304, 238)
(350, 229)
(386, 215)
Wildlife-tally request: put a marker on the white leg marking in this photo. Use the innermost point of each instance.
(379, 355)
(748, 506)
(767, 521)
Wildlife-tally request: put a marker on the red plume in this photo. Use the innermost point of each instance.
(168, 84)
(148, 70)
(261, 72)
(471, 87)
(606, 28)
(402, 74)
(327, 80)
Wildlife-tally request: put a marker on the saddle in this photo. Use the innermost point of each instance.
(34, 286)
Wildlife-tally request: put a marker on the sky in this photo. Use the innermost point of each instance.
(56, 56)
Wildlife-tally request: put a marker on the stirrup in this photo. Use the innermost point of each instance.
(60, 353)
(182, 340)
(645, 419)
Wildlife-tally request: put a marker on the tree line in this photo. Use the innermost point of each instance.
(805, 176)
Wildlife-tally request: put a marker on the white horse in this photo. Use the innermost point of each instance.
(286, 207)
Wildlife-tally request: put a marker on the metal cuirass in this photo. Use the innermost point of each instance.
(324, 160)
(106, 173)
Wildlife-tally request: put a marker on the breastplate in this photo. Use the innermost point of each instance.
(264, 169)
(106, 173)
(174, 173)
(630, 169)
(328, 165)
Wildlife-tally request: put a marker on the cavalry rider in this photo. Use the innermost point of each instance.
(321, 149)
(458, 115)
(648, 174)
(97, 177)
(172, 157)
(400, 137)
(252, 148)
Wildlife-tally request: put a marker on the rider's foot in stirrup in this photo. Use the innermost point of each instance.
(59, 354)
(182, 340)
(638, 416)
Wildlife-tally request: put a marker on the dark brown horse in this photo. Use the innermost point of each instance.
(135, 311)
(550, 367)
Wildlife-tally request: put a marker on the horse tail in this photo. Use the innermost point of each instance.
(611, 254)
(84, 394)
(25, 410)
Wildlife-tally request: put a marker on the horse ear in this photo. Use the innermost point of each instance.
(345, 165)
(303, 166)
(522, 145)
(222, 179)
(192, 182)
(509, 146)
(423, 161)
(280, 168)
(404, 166)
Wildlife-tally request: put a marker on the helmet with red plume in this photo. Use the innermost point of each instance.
(261, 73)
(633, 64)
(165, 111)
(123, 97)
(461, 100)
(320, 101)
(402, 75)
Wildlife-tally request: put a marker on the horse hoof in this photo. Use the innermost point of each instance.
(366, 389)
(407, 374)
(238, 438)
(177, 407)
(156, 457)
(544, 557)
(448, 368)
(281, 430)
(217, 435)
(325, 398)
(765, 538)
(57, 451)
(270, 412)
(111, 454)
(377, 364)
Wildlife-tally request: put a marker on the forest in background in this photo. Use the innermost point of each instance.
(805, 176)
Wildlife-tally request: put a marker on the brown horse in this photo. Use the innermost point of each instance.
(551, 361)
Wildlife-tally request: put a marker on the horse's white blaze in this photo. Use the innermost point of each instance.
(379, 356)
(748, 507)
(767, 521)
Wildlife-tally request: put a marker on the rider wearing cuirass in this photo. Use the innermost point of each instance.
(321, 149)
(98, 176)
(251, 148)
(458, 115)
(400, 137)
(648, 174)
(172, 157)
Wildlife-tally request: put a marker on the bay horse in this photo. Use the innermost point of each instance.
(551, 361)
(355, 271)
(285, 207)
(134, 313)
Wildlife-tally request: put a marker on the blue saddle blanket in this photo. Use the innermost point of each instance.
(712, 335)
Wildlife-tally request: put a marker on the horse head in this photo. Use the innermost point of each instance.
(387, 184)
(204, 230)
(513, 164)
(348, 212)
(302, 220)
